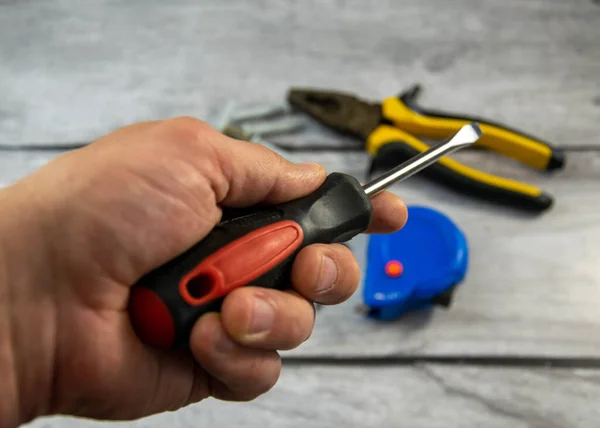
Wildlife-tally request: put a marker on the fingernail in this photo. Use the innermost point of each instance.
(263, 316)
(328, 274)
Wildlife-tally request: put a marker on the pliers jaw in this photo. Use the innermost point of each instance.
(343, 112)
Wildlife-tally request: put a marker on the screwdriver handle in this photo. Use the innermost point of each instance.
(255, 246)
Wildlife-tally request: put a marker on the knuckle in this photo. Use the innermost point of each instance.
(298, 334)
(187, 128)
(257, 377)
(266, 369)
(296, 322)
(270, 158)
(302, 327)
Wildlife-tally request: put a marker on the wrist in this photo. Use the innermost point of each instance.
(9, 392)
(26, 314)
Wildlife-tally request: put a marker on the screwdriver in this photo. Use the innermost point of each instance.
(257, 246)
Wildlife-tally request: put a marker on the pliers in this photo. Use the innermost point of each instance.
(392, 132)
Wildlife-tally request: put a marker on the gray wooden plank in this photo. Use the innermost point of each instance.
(532, 285)
(72, 70)
(75, 69)
(421, 396)
(535, 299)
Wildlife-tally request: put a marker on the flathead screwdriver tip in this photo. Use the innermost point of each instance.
(466, 136)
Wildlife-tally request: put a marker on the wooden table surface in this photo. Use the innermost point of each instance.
(75, 70)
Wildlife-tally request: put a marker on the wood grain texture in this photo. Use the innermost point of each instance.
(393, 397)
(75, 69)
(532, 287)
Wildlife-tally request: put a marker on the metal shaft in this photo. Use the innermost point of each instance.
(465, 136)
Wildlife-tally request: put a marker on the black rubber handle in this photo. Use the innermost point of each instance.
(254, 246)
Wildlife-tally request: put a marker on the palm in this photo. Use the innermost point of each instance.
(135, 216)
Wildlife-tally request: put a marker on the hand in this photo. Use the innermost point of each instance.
(75, 235)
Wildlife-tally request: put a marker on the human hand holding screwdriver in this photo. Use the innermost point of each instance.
(79, 232)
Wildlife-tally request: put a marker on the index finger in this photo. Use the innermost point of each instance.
(270, 178)
(249, 173)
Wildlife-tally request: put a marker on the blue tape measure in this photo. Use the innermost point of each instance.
(416, 267)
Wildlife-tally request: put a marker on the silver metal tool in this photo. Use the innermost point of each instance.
(466, 136)
(245, 122)
(260, 111)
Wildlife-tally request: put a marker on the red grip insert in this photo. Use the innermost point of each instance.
(151, 318)
(240, 262)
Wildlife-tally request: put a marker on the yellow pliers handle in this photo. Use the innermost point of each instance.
(498, 138)
(391, 146)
